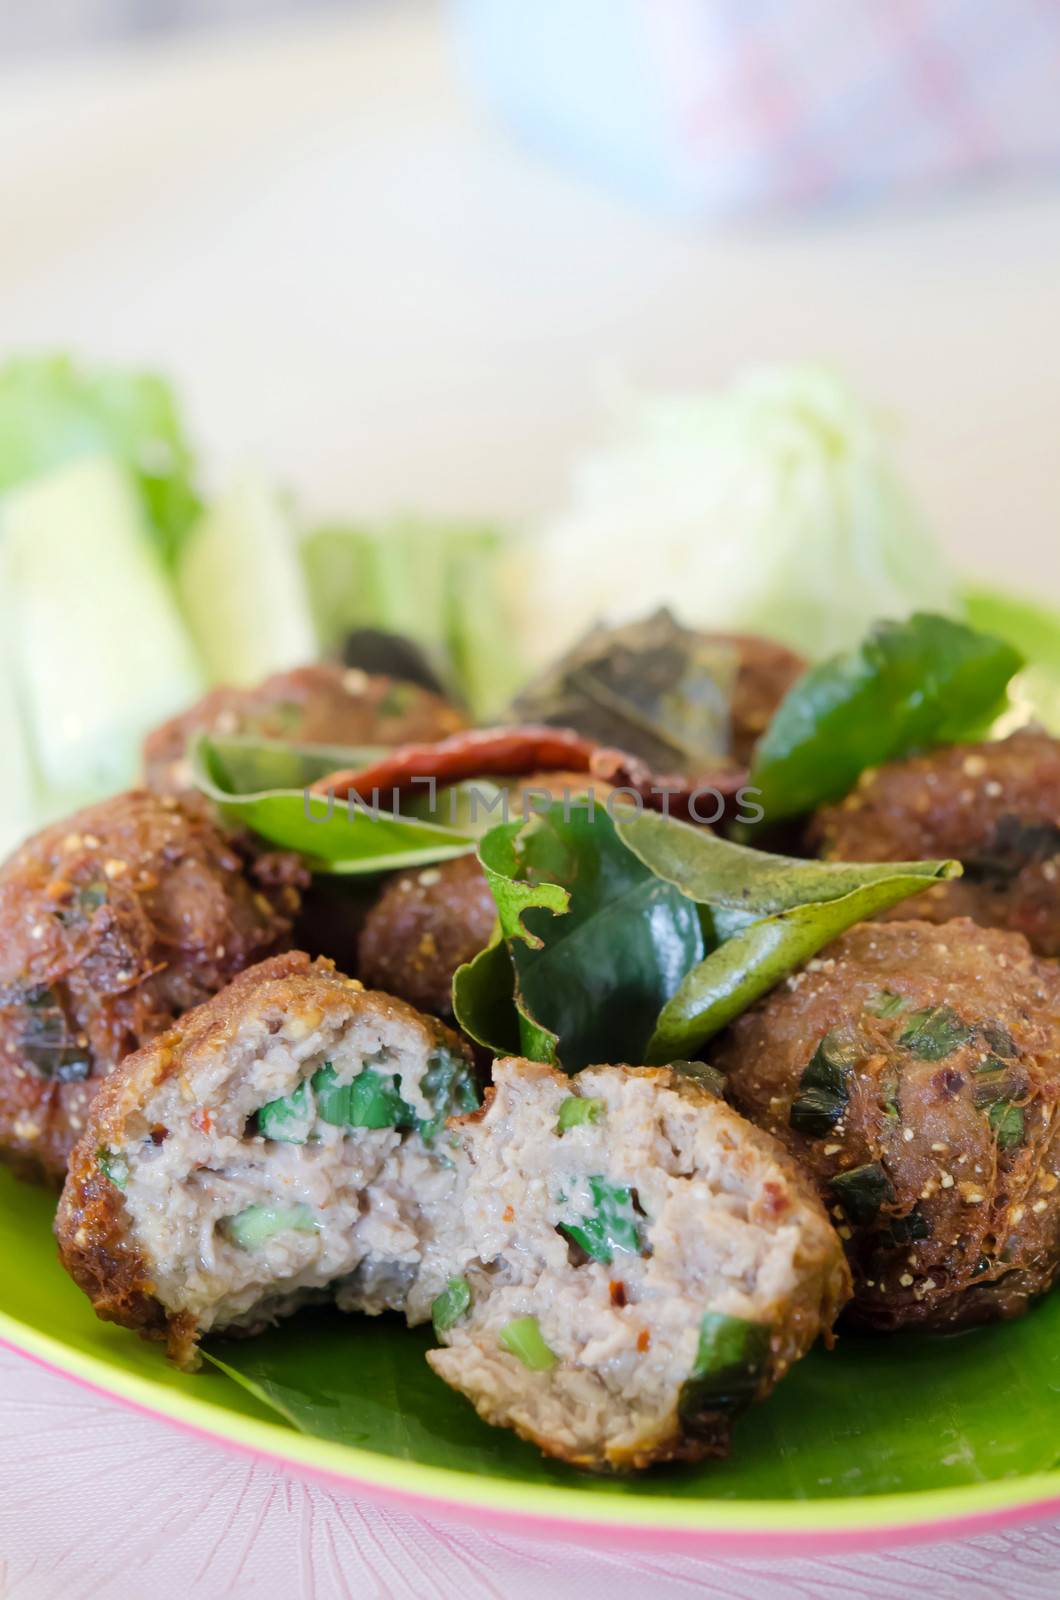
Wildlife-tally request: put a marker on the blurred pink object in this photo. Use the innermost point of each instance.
(716, 105)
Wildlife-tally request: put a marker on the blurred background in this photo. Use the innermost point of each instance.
(400, 256)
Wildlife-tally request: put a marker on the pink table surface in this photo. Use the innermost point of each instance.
(100, 1503)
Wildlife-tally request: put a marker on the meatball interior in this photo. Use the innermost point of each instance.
(995, 806)
(320, 704)
(627, 1265)
(115, 921)
(278, 1145)
(915, 1071)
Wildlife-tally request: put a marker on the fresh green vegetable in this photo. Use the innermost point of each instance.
(824, 1088)
(97, 649)
(523, 1338)
(448, 1307)
(289, 1118)
(114, 1166)
(729, 1366)
(241, 587)
(1008, 1124)
(934, 1033)
(907, 686)
(596, 942)
(772, 506)
(256, 1225)
(53, 413)
(438, 583)
(1034, 630)
(768, 915)
(861, 1191)
(612, 1226)
(332, 835)
(578, 1110)
(370, 1100)
(450, 1088)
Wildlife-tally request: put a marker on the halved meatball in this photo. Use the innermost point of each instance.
(426, 922)
(995, 806)
(914, 1071)
(112, 923)
(320, 704)
(627, 1264)
(281, 1143)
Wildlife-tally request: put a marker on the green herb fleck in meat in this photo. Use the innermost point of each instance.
(934, 1033)
(886, 1004)
(523, 1338)
(824, 1088)
(370, 1100)
(577, 1110)
(999, 1039)
(256, 1225)
(448, 1307)
(449, 1086)
(861, 1192)
(1007, 1122)
(46, 1043)
(289, 1118)
(729, 1366)
(910, 1229)
(114, 1166)
(612, 1227)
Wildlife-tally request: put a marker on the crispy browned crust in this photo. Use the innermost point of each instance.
(994, 806)
(91, 1224)
(112, 922)
(320, 704)
(989, 1213)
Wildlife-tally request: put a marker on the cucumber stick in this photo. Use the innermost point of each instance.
(97, 645)
(241, 585)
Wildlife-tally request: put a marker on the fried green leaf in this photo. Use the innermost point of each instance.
(824, 1087)
(934, 1033)
(861, 1191)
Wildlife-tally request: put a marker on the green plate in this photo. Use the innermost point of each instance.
(878, 1441)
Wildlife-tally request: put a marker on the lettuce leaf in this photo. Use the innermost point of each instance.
(53, 412)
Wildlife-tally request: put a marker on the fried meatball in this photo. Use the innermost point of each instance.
(426, 923)
(279, 1144)
(320, 704)
(994, 806)
(765, 672)
(627, 1264)
(914, 1070)
(112, 923)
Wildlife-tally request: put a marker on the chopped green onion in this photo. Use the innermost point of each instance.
(523, 1338)
(934, 1033)
(579, 1109)
(255, 1226)
(371, 1100)
(824, 1088)
(613, 1226)
(289, 1118)
(449, 1306)
(861, 1191)
(730, 1363)
(114, 1166)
